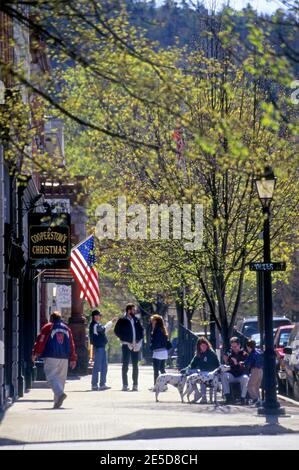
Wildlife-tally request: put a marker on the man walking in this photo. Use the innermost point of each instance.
(130, 331)
(98, 339)
(56, 346)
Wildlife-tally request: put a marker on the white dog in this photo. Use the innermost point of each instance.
(177, 380)
(210, 379)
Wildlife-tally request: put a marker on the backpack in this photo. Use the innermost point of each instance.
(58, 343)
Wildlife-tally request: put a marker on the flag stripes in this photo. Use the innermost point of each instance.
(82, 261)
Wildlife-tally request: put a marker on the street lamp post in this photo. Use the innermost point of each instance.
(265, 187)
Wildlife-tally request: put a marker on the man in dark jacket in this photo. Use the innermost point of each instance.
(98, 339)
(237, 374)
(56, 346)
(130, 331)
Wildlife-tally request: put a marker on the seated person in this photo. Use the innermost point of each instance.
(235, 359)
(254, 363)
(204, 360)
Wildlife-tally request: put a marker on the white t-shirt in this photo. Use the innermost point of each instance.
(161, 354)
(133, 346)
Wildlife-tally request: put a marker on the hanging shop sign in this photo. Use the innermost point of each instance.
(49, 241)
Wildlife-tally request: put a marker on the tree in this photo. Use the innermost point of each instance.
(124, 99)
(231, 131)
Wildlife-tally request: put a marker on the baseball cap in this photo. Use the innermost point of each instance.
(96, 312)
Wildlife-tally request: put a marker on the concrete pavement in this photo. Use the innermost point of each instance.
(111, 417)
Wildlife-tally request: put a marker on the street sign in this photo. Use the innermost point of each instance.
(49, 241)
(278, 266)
(63, 296)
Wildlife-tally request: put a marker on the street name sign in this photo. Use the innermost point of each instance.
(278, 266)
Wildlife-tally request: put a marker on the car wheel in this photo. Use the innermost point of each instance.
(296, 390)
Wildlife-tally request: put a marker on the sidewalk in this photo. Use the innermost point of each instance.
(89, 416)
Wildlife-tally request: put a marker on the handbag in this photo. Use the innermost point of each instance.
(169, 345)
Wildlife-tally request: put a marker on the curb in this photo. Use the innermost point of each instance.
(288, 400)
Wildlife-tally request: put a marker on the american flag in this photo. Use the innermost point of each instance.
(82, 261)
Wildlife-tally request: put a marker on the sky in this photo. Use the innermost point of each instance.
(266, 6)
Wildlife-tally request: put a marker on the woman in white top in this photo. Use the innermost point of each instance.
(159, 342)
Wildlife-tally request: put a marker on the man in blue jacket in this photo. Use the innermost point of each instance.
(55, 344)
(130, 331)
(98, 339)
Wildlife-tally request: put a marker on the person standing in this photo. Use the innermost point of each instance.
(159, 345)
(55, 345)
(254, 363)
(98, 339)
(130, 332)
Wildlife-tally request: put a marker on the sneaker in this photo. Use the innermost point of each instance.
(253, 402)
(59, 401)
(244, 402)
(94, 388)
(135, 388)
(125, 388)
(104, 387)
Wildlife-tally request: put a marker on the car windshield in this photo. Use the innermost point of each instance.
(284, 338)
(277, 323)
(257, 339)
(250, 328)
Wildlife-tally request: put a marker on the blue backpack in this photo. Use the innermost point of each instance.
(58, 345)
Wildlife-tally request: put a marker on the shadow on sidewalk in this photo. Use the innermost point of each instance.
(178, 432)
(33, 401)
(207, 431)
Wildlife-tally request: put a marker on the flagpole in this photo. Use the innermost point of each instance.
(39, 274)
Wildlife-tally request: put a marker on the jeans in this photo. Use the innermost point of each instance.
(159, 366)
(134, 355)
(100, 366)
(56, 373)
(227, 378)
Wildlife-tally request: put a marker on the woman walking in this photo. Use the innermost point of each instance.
(159, 345)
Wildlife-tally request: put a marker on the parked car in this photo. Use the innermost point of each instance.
(281, 339)
(257, 338)
(250, 326)
(291, 363)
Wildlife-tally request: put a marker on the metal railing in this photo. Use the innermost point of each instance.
(186, 347)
